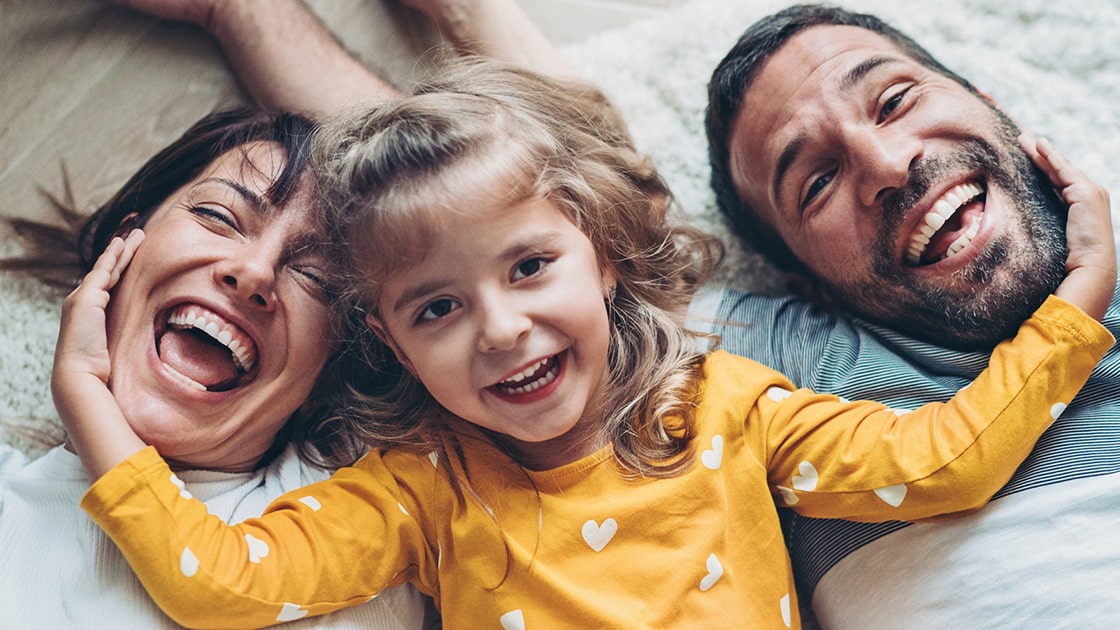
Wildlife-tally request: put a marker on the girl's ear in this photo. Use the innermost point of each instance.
(609, 283)
(379, 329)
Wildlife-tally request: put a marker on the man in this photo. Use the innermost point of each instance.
(898, 192)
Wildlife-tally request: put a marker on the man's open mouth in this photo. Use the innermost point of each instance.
(949, 226)
(204, 350)
(531, 378)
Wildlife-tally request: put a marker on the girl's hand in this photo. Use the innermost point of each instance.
(82, 344)
(1091, 264)
(95, 426)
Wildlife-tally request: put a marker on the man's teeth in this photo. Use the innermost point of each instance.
(242, 356)
(510, 385)
(944, 208)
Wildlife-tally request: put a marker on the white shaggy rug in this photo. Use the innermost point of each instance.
(1055, 66)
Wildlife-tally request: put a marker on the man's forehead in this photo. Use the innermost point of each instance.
(796, 84)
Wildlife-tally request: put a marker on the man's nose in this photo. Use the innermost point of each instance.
(881, 159)
(502, 323)
(250, 274)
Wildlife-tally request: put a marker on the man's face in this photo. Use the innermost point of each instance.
(906, 195)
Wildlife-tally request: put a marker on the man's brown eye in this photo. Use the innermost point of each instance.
(891, 105)
(816, 187)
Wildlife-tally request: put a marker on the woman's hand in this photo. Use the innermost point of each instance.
(1091, 265)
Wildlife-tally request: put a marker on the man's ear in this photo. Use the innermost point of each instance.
(383, 334)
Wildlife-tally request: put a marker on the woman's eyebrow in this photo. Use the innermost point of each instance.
(253, 199)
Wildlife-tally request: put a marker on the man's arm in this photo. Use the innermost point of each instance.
(289, 61)
(281, 52)
(499, 29)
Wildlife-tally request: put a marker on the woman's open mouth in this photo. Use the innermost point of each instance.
(204, 350)
(950, 225)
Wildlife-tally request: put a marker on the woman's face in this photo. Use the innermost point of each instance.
(219, 328)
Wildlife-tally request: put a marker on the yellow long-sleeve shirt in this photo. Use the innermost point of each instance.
(581, 546)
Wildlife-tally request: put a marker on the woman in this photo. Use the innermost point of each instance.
(222, 355)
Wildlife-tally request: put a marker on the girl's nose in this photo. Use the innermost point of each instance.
(503, 325)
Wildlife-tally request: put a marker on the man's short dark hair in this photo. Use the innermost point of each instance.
(734, 75)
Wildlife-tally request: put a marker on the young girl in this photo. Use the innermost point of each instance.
(552, 450)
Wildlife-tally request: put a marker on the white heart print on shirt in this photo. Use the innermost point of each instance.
(513, 620)
(715, 572)
(807, 480)
(712, 458)
(291, 612)
(257, 548)
(597, 536)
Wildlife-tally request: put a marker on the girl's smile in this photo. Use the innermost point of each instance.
(505, 322)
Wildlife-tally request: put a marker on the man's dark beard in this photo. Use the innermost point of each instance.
(986, 301)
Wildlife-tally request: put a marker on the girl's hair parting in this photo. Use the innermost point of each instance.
(59, 255)
(485, 130)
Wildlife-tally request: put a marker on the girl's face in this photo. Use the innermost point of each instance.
(218, 330)
(505, 323)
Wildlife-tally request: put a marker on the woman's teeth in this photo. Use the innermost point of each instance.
(242, 353)
(935, 219)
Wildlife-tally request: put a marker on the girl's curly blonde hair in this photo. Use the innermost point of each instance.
(484, 127)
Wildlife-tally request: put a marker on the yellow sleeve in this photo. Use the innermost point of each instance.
(329, 545)
(862, 461)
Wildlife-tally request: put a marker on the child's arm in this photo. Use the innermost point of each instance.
(873, 464)
(1091, 266)
(95, 426)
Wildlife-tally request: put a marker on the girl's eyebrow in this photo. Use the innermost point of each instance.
(528, 243)
(415, 293)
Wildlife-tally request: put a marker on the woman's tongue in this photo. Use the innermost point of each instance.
(197, 357)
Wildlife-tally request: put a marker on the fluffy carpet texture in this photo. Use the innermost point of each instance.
(1054, 66)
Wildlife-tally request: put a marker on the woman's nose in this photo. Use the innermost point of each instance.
(251, 277)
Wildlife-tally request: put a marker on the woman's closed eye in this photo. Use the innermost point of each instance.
(313, 280)
(216, 215)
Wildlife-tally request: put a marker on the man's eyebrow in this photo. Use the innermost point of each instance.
(785, 160)
(857, 72)
(852, 77)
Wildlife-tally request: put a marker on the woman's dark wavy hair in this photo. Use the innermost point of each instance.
(730, 81)
(60, 255)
